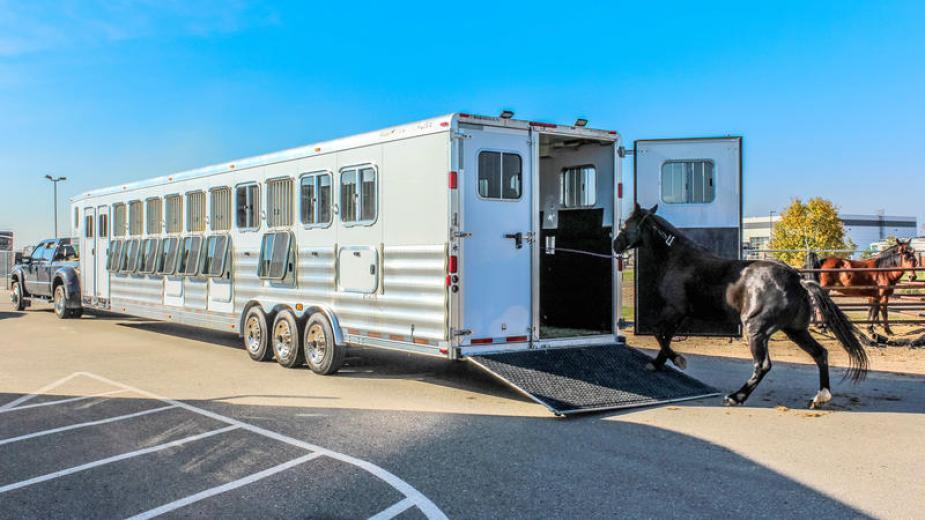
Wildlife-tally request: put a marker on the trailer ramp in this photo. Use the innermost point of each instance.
(589, 379)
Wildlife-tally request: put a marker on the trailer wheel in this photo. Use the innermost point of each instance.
(76, 313)
(256, 336)
(321, 353)
(59, 300)
(287, 340)
(16, 296)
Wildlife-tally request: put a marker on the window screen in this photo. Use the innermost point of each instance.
(135, 218)
(88, 226)
(190, 249)
(315, 196)
(578, 187)
(247, 206)
(688, 182)
(216, 250)
(167, 256)
(174, 221)
(500, 175)
(195, 212)
(118, 220)
(358, 194)
(147, 258)
(129, 256)
(274, 256)
(153, 216)
(220, 209)
(115, 252)
(76, 217)
(279, 202)
(103, 228)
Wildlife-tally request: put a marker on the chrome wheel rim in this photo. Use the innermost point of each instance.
(14, 294)
(252, 334)
(59, 300)
(316, 344)
(282, 339)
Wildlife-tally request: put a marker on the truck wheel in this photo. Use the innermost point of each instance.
(321, 353)
(256, 338)
(16, 296)
(287, 340)
(59, 300)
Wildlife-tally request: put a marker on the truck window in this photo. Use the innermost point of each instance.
(500, 175)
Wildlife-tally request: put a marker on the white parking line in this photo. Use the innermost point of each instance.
(61, 401)
(49, 386)
(116, 458)
(394, 510)
(84, 425)
(183, 502)
(424, 504)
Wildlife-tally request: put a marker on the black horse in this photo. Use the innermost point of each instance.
(767, 296)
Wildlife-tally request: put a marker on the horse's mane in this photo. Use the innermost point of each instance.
(889, 257)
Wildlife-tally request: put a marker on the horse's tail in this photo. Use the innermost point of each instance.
(843, 329)
(812, 262)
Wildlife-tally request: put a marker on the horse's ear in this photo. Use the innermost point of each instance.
(653, 209)
(636, 206)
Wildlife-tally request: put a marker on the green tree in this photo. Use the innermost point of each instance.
(814, 225)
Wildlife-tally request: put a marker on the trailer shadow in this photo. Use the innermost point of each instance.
(4, 315)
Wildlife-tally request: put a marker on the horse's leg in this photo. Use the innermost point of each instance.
(820, 355)
(758, 335)
(665, 353)
(885, 312)
(872, 317)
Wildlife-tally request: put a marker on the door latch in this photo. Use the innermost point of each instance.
(519, 238)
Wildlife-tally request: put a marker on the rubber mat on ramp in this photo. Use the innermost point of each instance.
(589, 379)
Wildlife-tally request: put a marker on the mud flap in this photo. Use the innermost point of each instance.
(590, 379)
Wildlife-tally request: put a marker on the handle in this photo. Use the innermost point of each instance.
(518, 239)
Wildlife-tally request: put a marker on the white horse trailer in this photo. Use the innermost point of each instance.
(447, 237)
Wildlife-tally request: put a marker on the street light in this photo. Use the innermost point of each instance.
(770, 228)
(55, 181)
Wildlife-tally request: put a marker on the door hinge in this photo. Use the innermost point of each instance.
(461, 135)
(461, 234)
(460, 332)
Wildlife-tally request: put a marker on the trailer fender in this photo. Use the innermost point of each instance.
(68, 277)
(332, 319)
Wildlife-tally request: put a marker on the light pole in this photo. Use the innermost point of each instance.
(55, 181)
(770, 227)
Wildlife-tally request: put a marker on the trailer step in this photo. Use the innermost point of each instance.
(590, 379)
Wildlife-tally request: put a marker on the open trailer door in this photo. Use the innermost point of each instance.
(697, 184)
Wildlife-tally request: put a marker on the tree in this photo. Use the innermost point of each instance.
(814, 225)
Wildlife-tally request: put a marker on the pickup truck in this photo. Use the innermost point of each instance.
(51, 272)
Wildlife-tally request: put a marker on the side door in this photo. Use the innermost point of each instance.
(33, 282)
(496, 275)
(101, 251)
(88, 253)
(697, 184)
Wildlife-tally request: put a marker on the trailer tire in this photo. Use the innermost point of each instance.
(287, 340)
(256, 336)
(16, 296)
(59, 301)
(76, 313)
(322, 354)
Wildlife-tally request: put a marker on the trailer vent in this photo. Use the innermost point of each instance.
(279, 202)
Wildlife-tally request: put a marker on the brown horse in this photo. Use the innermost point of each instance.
(876, 286)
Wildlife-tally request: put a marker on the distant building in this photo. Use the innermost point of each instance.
(863, 230)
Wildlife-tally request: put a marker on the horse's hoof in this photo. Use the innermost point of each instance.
(729, 400)
(821, 398)
(680, 362)
(650, 366)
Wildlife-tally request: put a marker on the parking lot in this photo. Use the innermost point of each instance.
(109, 416)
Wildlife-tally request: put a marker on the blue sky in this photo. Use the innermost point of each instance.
(830, 96)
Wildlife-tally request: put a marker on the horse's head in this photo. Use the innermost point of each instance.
(630, 235)
(907, 257)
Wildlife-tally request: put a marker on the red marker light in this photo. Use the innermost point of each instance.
(454, 180)
(453, 264)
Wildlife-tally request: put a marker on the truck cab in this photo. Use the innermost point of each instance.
(50, 272)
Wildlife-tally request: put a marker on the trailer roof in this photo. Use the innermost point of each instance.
(424, 127)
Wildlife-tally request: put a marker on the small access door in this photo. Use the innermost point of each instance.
(697, 184)
(496, 258)
(102, 252)
(88, 254)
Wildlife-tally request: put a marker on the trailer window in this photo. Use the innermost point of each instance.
(118, 220)
(148, 256)
(274, 256)
(190, 252)
(500, 175)
(88, 226)
(220, 209)
(115, 252)
(247, 206)
(315, 199)
(76, 218)
(167, 256)
(103, 228)
(174, 221)
(578, 187)
(135, 218)
(153, 216)
(130, 257)
(216, 252)
(688, 182)
(195, 212)
(358, 195)
(279, 202)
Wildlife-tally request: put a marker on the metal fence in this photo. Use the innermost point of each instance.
(7, 260)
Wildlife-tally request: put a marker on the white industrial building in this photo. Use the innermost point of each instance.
(863, 230)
